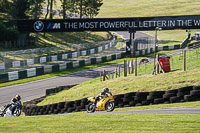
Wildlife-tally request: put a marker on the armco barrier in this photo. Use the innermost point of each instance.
(56, 57)
(184, 94)
(160, 48)
(15, 75)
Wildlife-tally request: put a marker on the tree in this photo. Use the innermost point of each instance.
(36, 8)
(52, 2)
(67, 8)
(89, 8)
(19, 9)
(9, 34)
(92, 7)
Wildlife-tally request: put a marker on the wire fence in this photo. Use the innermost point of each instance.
(146, 66)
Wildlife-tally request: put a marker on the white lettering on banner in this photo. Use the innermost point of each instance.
(196, 22)
(56, 26)
(100, 49)
(133, 24)
(30, 61)
(64, 56)
(43, 59)
(2, 65)
(74, 55)
(54, 58)
(31, 72)
(13, 75)
(84, 53)
(92, 51)
(16, 63)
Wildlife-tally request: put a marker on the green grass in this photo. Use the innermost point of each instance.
(150, 8)
(161, 106)
(102, 123)
(143, 82)
(147, 8)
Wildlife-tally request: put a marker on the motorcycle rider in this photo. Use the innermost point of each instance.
(105, 92)
(13, 101)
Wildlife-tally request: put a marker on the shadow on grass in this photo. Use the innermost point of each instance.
(168, 41)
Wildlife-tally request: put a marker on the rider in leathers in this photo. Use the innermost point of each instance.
(13, 101)
(105, 92)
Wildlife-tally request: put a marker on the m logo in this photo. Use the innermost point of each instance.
(53, 26)
(38, 26)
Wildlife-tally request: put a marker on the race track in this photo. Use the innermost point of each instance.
(188, 110)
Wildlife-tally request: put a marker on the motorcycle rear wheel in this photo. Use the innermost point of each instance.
(110, 106)
(90, 108)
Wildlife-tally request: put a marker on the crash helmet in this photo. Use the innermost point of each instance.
(105, 89)
(17, 97)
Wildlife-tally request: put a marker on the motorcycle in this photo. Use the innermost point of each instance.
(104, 103)
(13, 110)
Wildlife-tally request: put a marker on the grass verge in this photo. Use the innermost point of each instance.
(161, 106)
(102, 123)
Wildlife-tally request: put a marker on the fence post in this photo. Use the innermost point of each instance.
(129, 67)
(119, 71)
(104, 75)
(132, 68)
(184, 60)
(125, 68)
(112, 75)
(135, 66)
(116, 73)
(100, 77)
(157, 60)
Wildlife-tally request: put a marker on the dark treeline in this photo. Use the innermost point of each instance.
(34, 9)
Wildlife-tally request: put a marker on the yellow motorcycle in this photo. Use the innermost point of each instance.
(104, 103)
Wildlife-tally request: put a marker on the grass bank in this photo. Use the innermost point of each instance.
(145, 81)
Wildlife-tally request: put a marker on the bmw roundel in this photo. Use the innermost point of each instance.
(38, 26)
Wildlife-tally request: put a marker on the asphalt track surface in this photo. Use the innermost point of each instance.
(188, 110)
(36, 89)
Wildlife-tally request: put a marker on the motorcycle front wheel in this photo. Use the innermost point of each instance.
(17, 112)
(90, 108)
(110, 106)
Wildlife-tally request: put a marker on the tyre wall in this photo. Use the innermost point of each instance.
(184, 94)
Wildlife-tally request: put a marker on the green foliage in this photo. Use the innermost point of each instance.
(17, 9)
(36, 8)
(92, 7)
(9, 34)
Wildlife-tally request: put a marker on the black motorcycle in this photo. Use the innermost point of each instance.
(13, 110)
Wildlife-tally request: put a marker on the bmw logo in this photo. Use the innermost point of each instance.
(38, 26)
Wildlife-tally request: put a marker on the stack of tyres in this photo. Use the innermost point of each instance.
(70, 106)
(83, 104)
(119, 100)
(169, 94)
(194, 94)
(140, 98)
(180, 94)
(128, 97)
(77, 105)
(155, 97)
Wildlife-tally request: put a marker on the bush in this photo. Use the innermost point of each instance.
(8, 34)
